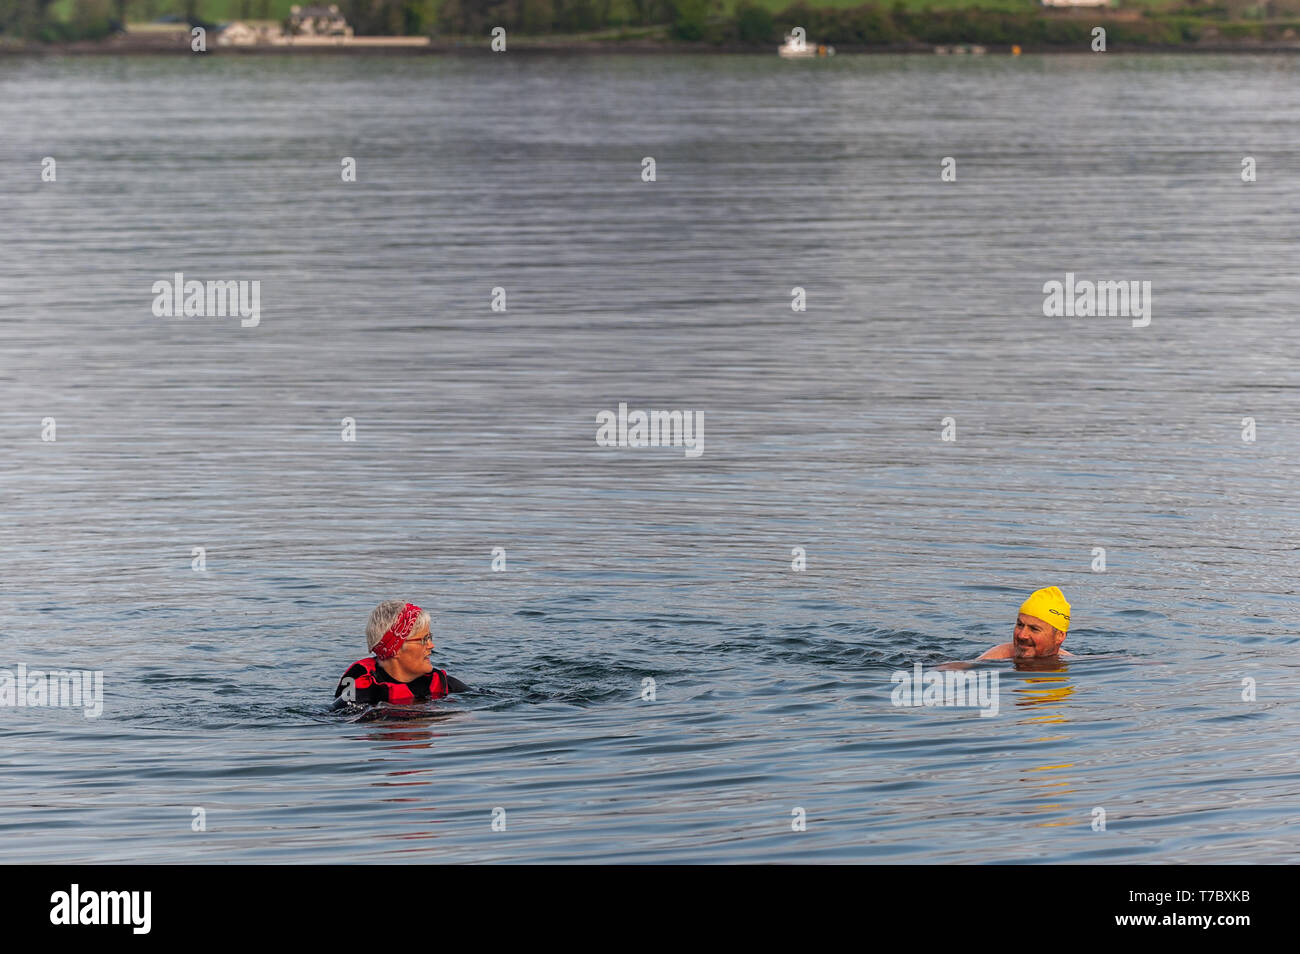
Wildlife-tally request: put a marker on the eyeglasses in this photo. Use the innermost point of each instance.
(426, 640)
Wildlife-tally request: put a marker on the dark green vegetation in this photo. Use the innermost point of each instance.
(901, 24)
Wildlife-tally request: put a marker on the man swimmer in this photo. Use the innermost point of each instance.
(1040, 628)
(399, 672)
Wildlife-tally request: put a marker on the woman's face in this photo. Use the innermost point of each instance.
(414, 654)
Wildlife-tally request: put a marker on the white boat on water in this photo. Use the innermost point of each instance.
(797, 45)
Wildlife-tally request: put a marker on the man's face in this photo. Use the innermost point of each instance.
(414, 654)
(1033, 637)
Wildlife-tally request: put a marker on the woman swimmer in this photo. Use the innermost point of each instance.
(399, 672)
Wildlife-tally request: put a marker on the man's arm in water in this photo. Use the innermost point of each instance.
(1005, 651)
(1008, 651)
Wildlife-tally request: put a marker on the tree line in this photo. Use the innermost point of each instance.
(749, 23)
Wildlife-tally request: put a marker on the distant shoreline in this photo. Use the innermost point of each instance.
(177, 42)
(569, 47)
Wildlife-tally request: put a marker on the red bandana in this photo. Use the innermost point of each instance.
(397, 634)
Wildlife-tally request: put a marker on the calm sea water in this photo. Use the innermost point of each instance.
(475, 430)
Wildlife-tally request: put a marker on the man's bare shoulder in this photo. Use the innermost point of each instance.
(1005, 651)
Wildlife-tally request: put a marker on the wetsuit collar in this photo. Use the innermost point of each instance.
(383, 675)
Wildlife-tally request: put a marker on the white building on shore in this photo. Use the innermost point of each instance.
(309, 26)
(318, 20)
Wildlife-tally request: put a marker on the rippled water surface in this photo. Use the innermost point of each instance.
(475, 429)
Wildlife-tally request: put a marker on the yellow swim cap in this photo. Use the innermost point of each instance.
(1050, 606)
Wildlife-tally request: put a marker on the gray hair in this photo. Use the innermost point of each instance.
(382, 617)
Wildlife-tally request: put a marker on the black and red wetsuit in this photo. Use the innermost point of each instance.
(370, 684)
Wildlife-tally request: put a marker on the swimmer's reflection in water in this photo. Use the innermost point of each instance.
(1039, 631)
(400, 671)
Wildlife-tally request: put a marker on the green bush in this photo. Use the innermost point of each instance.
(579, 16)
(754, 24)
(872, 26)
(467, 17)
(1190, 30)
(535, 16)
(690, 19)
